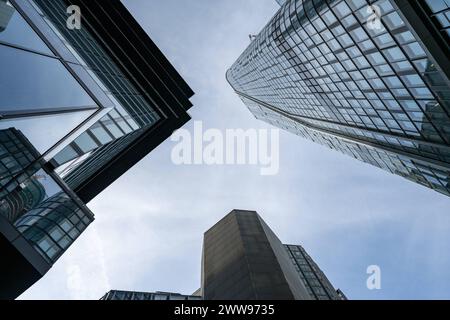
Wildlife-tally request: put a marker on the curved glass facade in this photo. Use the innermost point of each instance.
(34, 202)
(352, 74)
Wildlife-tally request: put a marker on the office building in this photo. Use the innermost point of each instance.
(243, 259)
(39, 216)
(81, 104)
(370, 79)
(316, 282)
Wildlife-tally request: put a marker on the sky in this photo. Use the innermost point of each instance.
(348, 215)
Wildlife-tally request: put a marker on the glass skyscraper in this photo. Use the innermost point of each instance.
(316, 282)
(79, 106)
(368, 78)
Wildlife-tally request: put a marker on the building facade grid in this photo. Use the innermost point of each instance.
(333, 68)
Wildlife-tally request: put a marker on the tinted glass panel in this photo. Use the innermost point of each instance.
(15, 30)
(45, 131)
(31, 82)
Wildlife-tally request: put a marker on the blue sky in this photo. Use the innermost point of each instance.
(348, 215)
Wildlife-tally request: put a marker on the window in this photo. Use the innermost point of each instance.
(413, 80)
(393, 82)
(16, 30)
(376, 58)
(383, 41)
(86, 143)
(31, 82)
(393, 21)
(394, 54)
(329, 17)
(342, 10)
(67, 154)
(414, 50)
(112, 127)
(436, 6)
(405, 37)
(101, 134)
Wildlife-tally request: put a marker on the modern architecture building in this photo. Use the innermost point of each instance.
(368, 78)
(315, 281)
(243, 259)
(81, 103)
(130, 295)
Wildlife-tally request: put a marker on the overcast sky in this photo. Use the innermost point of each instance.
(348, 215)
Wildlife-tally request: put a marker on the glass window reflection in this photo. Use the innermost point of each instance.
(31, 82)
(16, 31)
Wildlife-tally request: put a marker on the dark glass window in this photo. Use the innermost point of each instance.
(46, 131)
(31, 83)
(86, 143)
(16, 31)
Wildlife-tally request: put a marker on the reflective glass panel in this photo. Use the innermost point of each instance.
(15, 30)
(45, 131)
(31, 82)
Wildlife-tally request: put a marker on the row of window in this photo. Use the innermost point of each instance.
(54, 225)
(426, 174)
(337, 87)
(337, 71)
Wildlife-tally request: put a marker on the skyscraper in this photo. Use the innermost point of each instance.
(39, 216)
(82, 102)
(368, 78)
(316, 282)
(243, 259)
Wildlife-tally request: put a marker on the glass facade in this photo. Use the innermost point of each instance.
(40, 97)
(66, 94)
(35, 201)
(130, 115)
(130, 295)
(42, 102)
(439, 11)
(317, 284)
(63, 98)
(331, 72)
(75, 114)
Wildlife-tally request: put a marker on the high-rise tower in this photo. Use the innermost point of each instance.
(244, 259)
(368, 78)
